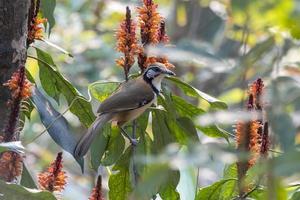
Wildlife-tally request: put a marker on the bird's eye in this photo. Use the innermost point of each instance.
(156, 69)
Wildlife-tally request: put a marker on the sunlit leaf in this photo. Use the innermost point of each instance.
(213, 192)
(102, 90)
(191, 91)
(55, 84)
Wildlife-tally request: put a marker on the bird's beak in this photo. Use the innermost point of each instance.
(169, 72)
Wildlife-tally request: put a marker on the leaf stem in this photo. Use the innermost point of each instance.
(197, 182)
(134, 167)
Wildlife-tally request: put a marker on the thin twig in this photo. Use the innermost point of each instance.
(251, 191)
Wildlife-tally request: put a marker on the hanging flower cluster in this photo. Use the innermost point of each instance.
(152, 32)
(97, 190)
(54, 179)
(127, 43)
(35, 23)
(252, 137)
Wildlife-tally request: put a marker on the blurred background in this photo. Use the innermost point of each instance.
(218, 46)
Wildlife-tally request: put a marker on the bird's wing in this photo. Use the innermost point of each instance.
(131, 95)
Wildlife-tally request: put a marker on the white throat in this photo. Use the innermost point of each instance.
(156, 82)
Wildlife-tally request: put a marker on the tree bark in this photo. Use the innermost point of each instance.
(13, 36)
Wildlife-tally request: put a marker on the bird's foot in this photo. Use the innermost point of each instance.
(134, 142)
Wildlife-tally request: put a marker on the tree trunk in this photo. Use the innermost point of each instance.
(13, 35)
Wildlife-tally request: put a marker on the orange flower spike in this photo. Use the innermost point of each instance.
(16, 84)
(127, 43)
(11, 164)
(97, 193)
(162, 36)
(149, 20)
(54, 179)
(35, 31)
(265, 141)
(247, 139)
(254, 146)
(256, 89)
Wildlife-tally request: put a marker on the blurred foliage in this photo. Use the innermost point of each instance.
(218, 48)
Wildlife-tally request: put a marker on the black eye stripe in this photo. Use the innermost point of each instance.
(156, 69)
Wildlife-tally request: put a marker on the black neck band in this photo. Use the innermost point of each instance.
(149, 81)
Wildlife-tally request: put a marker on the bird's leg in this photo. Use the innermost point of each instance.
(134, 142)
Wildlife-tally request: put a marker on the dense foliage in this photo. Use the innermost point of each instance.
(226, 127)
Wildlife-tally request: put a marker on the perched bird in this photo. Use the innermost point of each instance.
(128, 102)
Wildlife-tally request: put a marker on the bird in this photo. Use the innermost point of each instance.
(128, 102)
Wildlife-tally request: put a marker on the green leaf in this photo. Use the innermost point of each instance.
(185, 108)
(119, 182)
(26, 179)
(115, 147)
(56, 124)
(10, 191)
(258, 51)
(47, 9)
(213, 131)
(99, 146)
(286, 164)
(161, 134)
(151, 182)
(260, 194)
(102, 90)
(296, 195)
(48, 82)
(214, 191)
(169, 193)
(54, 84)
(193, 92)
(230, 171)
(12, 146)
(168, 190)
(188, 127)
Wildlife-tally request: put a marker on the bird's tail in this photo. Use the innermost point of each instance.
(85, 141)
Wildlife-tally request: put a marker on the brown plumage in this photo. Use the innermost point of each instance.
(128, 102)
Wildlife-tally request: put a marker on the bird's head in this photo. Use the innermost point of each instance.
(157, 69)
(155, 73)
